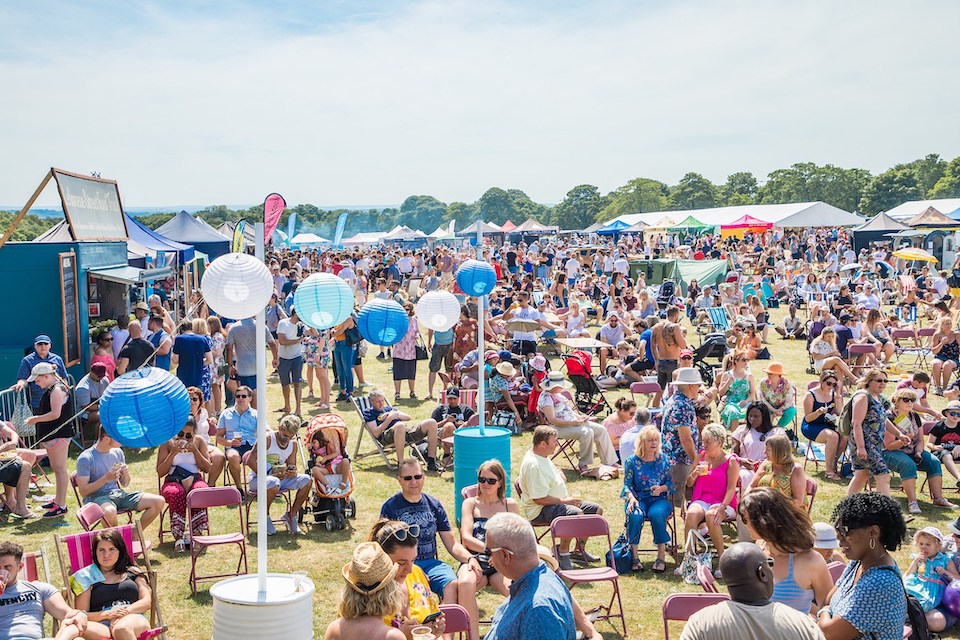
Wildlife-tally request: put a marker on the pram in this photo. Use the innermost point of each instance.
(666, 294)
(714, 345)
(331, 510)
(589, 396)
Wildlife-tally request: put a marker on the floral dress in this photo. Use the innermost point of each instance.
(737, 392)
(874, 428)
(324, 355)
(207, 375)
(218, 342)
(311, 350)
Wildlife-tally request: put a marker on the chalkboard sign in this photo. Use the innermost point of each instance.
(71, 310)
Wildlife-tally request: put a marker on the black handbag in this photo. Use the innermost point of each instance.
(353, 336)
(421, 350)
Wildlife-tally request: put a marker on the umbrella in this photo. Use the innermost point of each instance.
(522, 325)
(887, 266)
(914, 253)
(850, 266)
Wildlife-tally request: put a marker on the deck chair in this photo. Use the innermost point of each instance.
(718, 318)
(457, 621)
(75, 552)
(35, 569)
(680, 606)
(208, 498)
(582, 527)
(362, 404)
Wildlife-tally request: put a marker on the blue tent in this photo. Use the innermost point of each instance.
(156, 242)
(613, 228)
(186, 229)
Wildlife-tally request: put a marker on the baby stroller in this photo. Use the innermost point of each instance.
(332, 509)
(714, 345)
(666, 294)
(589, 396)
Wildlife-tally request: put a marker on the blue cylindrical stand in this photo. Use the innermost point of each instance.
(472, 449)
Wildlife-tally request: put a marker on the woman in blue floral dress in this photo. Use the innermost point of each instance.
(738, 389)
(868, 426)
(646, 487)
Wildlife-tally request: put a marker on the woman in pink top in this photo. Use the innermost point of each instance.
(714, 480)
(622, 420)
(104, 353)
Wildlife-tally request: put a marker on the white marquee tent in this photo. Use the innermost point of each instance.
(905, 211)
(803, 214)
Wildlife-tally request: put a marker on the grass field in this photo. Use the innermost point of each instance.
(323, 553)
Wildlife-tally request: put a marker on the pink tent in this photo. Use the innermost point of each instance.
(747, 222)
(508, 226)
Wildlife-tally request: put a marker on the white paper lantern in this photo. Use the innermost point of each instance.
(323, 301)
(438, 310)
(237, 286)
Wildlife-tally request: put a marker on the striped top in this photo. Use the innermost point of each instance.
(788, 592)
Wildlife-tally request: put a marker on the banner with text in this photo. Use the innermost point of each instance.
(92, 206)
(273, 208)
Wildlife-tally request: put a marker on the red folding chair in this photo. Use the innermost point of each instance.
(457, 621)
(545, 527)
(582, 527)
(91, 516)
(836, 570)
(811, 494)
(208, 498)
(76, 494)
(680, 606)
(647, 389)
(707, 580)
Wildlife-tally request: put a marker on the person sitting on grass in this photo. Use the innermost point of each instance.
(14, 473)
(282, 469)
(103, 477)
(389, 425)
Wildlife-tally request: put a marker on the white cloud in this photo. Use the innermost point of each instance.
(188, 106)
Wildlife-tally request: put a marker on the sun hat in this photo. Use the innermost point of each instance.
(506, 369)
(825, 536)
(370, 569)
(41, 369)
(933, 532)
(547, 557)
(141, 306)
(555, 379)
(954, 527)
(490, 354)
(538, 363)
(953, 405)
(775, 368)
(688, 375)
(42, 339)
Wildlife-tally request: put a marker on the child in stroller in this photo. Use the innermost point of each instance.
(333, 480)
(328, 458)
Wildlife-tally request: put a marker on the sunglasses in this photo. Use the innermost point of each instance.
(487, 551)
(419, 476)
(413, 530)
(884, 381)
(241, 396)
(490, 481)
(201, 397)
(829, 383)
(188, 436)
(907, 400)
(953, 414)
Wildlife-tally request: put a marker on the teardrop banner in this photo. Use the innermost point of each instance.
(273, 208)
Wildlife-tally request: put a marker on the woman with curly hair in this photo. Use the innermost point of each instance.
(868, 600)
(784, 531)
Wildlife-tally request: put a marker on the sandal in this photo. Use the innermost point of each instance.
(659, 566)
(637, 567)
(833, 475)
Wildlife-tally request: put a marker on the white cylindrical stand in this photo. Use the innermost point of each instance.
(242, 612)
(261, 327)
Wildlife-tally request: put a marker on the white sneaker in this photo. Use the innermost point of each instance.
(914, 507)
(290, 520)
(271, 530)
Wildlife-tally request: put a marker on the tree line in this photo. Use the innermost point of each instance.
(929, 177)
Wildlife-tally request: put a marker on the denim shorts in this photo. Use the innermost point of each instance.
(291, 370)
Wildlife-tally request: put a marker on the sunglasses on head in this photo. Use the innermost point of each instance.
(413, 530)
(490, 481)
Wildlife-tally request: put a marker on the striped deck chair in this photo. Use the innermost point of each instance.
(75, 552)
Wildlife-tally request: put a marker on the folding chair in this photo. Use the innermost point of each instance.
(854, 351)
(581, 527)
(918, 353)
(836, 570)
(76, 494)
(91, 516)
(208, 498)
(647, 389)
(707, 581)
(362, 404)
(457, 621)
(545, 527)
(680, 606)
(75, 551)
(249, 497)
(811, 494)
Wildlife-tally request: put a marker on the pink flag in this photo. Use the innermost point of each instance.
(273, 208)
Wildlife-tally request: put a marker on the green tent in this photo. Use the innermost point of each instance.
(705, 272)
(692, 224)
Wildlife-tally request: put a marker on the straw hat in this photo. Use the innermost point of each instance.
(370, 569)
(547, 557)
(555, 380)
(688, 375)
(953, 405)
(775, 368)
(506, 369)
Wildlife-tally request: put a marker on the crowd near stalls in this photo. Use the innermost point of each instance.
(719, 444)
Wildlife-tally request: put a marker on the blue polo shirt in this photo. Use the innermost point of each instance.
(27, 365)
(232, 421)
(647, 335)
(539, 607)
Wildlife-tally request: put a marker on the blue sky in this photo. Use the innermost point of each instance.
(369, 102)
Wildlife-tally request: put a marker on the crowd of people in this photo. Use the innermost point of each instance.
(721, 449)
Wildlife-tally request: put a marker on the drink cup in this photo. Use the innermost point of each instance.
(703, 467)
(4, 575)
(422, 633)
(299, 580)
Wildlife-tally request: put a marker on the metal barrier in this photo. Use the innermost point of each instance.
(8, 398)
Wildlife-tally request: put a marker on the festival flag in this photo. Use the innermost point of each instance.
(292, 224)
(237, 246)
(341, 223)
(273, 208)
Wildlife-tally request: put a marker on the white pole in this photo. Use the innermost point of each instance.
(481, 343)
(261, 325)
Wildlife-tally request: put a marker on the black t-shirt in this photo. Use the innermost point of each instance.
(944, 434)
(511, 259)
(137, 351)
(462, 412)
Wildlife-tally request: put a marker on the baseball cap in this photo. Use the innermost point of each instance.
(42, 339)
(99, 368)
(41, 369)
(490, 354)
(686, 352)
(453, 392)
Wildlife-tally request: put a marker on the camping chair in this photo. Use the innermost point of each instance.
(680, 606)
(75, 552)
(362, 404)
(457, 621)
(208, 498)
(581, 527)
(707, 581)
(76, 494)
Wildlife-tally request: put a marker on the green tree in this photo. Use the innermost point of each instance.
(579, 208)
(422, 212)
(693, 192)
(927, 170)
(155, 220)
(640, 195)
(889, 189)
(463, 213)
(740, 188)
(30, 226)
(525, 208)
(807, 182)
(948, 186)
(496, 206)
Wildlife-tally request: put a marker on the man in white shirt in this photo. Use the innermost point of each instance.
(290, 335)
(608, 263)
(612, 332)
(621, 265)
(867, 299)
(573, 270)
(405, 264)
(849, 256)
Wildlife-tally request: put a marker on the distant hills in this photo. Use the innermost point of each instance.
(192, 208)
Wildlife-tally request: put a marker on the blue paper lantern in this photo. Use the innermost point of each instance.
(383, 322)
(323, 301)
(476, 278)
(144, 408)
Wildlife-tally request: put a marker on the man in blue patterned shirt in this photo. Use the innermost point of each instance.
(681, 438)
